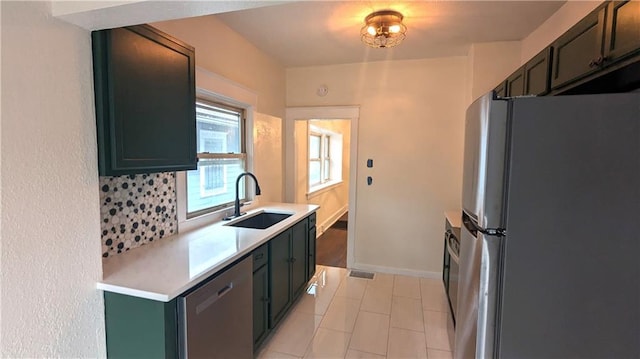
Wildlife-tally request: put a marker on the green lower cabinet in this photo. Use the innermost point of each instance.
(311, 259)
(299, 234)
(143, 328)
(140, 328)
(288, 269)
(260, 305)
(279, 277)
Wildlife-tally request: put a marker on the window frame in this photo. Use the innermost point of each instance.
(326, 160)
(204, 155)
(324, 140)
(214, 88)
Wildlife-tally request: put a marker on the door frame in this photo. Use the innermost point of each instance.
(351, 113)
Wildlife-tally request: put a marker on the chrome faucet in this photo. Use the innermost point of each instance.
(236, 212)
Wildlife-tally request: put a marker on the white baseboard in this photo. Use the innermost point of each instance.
(400, 271)
(322, 227)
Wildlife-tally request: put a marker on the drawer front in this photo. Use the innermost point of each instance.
(312, 220)
(260, 257)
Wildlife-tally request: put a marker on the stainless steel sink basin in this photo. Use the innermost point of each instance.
(261, 220)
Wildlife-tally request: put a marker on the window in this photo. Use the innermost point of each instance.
(319, 160)
(221, 158)
(325, 158)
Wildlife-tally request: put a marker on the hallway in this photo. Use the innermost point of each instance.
(331, 246)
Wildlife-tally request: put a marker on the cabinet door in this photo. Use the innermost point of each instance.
(144, 84)
(140, 328)
(260, 305)
(515, 83)
(623, 29)
(537, 73)
(578, 52)
(311, 261)
(501, 90)
(299, 255)
(279, 276)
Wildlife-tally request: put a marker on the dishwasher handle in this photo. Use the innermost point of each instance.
(214, 298)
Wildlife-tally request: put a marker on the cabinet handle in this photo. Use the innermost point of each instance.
(259, 256)
(292, 260)
(598, 61)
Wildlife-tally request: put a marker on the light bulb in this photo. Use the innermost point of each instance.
(371, 30)
(394, 29)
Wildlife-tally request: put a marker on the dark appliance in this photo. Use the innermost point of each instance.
(451, 268)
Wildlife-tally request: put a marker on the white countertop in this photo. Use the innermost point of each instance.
(164, 269)
(454, 217)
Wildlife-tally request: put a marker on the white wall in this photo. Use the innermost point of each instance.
(411, 125)
(333, 201)
(268, 161)
(50, 208)
(489, 64)
(224, 52)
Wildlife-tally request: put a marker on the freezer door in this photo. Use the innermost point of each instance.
(484, 161)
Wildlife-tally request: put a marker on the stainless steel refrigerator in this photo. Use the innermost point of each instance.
(550, 242)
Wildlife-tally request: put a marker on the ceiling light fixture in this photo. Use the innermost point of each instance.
(383, 29)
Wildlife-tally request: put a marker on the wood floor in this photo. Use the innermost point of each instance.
(331, 246)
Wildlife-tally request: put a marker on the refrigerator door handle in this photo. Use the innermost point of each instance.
(453, 255)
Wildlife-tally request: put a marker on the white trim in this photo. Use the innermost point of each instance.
(224, 89)
(322, 188)
(322, 227)
(351, 113)
(213, 87)
(393, 270)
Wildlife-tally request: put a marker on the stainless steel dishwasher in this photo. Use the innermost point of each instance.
(216, 320)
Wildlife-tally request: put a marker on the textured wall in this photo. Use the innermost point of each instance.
(136, 209)
(50, 207)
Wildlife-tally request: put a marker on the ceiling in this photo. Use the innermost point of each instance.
(313, 33)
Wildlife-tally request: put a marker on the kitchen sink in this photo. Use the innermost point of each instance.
(261, 220)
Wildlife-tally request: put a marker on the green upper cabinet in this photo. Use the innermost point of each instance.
(515, 83)
(536, 73)
(531, 78)
(144, 82)
(623, 30)
(604, 41)
(578, 52)
(501, 89)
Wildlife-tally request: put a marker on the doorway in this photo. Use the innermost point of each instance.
(336, 218)
(331, 246)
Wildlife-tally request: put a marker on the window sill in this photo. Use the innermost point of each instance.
(320, 189)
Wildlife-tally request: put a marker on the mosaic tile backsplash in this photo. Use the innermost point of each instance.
(136, 209)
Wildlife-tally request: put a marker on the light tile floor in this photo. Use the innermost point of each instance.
(390, 316)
